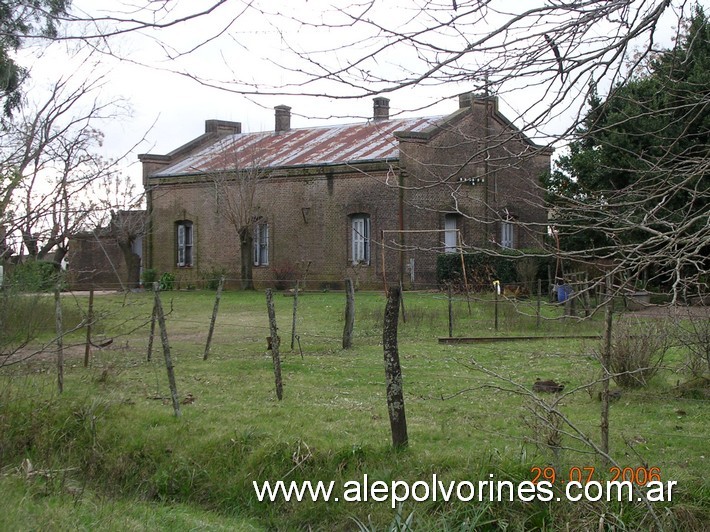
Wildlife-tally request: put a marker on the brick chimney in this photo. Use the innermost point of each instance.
(465, 100)
(283, 118)
(381, 108)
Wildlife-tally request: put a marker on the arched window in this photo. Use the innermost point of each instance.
(507, 233)
(185, 243)
(360, 239)
(451, 234)
(261, 243)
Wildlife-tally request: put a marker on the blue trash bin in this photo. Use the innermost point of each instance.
(564, 292)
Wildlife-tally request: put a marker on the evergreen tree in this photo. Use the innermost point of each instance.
(633, 186)
(20, 19)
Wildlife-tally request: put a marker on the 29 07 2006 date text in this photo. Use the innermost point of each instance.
(640, 476)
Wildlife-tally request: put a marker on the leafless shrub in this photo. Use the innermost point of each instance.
(285, 275)
(546, 424)
(637, 351)
(693, 333)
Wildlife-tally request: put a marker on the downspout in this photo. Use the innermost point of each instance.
(487, 206)
(147, 259)
(400, 182)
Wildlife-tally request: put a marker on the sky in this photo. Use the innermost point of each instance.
(168, 109)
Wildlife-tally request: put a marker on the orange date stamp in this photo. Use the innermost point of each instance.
(586, 474)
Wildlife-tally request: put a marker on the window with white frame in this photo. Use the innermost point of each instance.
(261, 243)
(451, 223)
(507, 234)
(185, 242)
(360, 239)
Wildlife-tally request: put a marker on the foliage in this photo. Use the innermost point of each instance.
(19, 19)
(22, 317)
(506, 266)
(149, 276)
(629, 187)
(167, 281)
(35, 276)
(693, 333)
(213, 276)
(637, 352)
(26, 317)
(285, 275)
(399, 523)
(115, 439)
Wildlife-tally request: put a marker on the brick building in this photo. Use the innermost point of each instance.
(331, 196)
(110, 257)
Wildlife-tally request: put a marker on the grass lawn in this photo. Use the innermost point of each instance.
(109, 453)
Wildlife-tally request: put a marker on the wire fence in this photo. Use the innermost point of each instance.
(122, 324)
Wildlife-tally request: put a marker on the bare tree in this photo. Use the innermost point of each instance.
(118, 215)
(50, 152)
(235, 197)
(541, 59)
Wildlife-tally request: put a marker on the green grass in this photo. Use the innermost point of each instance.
(113, 431)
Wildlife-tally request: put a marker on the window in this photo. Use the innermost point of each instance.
(261, 244)
(451, 233)
(507, 234)
(184, 244)
(361, 239)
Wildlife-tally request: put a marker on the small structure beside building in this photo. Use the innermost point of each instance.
(108, 258)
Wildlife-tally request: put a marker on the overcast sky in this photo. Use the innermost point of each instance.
(169, 109)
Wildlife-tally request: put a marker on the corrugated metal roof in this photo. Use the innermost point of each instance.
(351, 143)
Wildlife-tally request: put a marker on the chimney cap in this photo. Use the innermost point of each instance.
(282, 115)
(465, 100)
(380, 108)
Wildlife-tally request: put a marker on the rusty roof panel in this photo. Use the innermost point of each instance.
(351, 143)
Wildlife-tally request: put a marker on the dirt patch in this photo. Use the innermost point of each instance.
(675, 312)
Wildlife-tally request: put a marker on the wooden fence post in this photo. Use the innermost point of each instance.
(495, 308)
(393, 371)
(90, 321)
(166, 349)
(539, 302)
(349, 314)
(606, 363)
(274, 343)
(60, 334)
(214, 318)
(451, 314)
(293, 321)
(401, 299)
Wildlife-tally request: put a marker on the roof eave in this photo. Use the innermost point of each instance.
(314, 168)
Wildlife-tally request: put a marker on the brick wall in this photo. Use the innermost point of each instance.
(308, 219)
(478, 169)
(95, 262)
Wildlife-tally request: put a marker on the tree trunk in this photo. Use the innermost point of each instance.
(59, 253)
(246, 245)
(89, 324)
(133, 265)
(60, 336)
